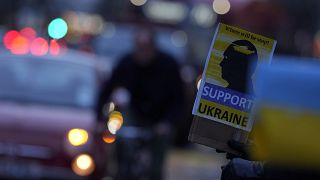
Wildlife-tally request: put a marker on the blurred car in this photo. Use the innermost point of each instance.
(48, 126)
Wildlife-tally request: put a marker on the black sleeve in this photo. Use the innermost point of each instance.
(176, 96)
(109, 86)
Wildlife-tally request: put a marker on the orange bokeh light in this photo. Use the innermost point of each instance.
(108, 137)
(19, 45)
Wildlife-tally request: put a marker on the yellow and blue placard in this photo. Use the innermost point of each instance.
(287, 113)
(229, 75)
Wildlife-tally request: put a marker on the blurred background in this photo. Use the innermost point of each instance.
(83, 41)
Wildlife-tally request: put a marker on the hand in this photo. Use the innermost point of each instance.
(243, 148)
(240, 169)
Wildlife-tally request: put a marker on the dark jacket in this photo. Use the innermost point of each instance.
(155, 89)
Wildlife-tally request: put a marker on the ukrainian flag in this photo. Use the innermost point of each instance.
(287, 113)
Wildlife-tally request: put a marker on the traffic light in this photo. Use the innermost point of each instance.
(57, 28)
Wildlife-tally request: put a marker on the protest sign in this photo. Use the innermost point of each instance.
(226, 93)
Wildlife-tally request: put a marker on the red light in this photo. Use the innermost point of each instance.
(54, 48)
(39, 47)
(9, 37)
(19, 45)
(28, 32)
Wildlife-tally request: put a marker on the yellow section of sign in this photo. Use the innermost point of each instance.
(224, 38)
(235, 32)
(287, 137)
(214, 69)
(223, 114)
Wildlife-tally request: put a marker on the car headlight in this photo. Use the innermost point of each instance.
(78, 137)
(83, 165)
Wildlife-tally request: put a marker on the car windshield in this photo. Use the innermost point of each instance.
(47, 82)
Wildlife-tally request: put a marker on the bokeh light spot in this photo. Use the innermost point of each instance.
(108, 137)
(221, 6)
(9, 38)
(138, 2)
(54, 48)
(179, 38)
(19, 45)
(202, 15)
(28, 33)
(83, 165)
(78, 137)
(57, 28)
(39, 47)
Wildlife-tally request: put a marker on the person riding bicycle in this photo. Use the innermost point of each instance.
(152, 80)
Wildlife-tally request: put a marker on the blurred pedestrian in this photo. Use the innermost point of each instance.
(152, 79)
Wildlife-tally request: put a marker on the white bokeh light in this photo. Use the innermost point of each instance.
(138, 2)
(179, 38)
(202, 15)
(199, 84)
(221, 6)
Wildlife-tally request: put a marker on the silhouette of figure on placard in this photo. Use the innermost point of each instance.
(238, 65)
